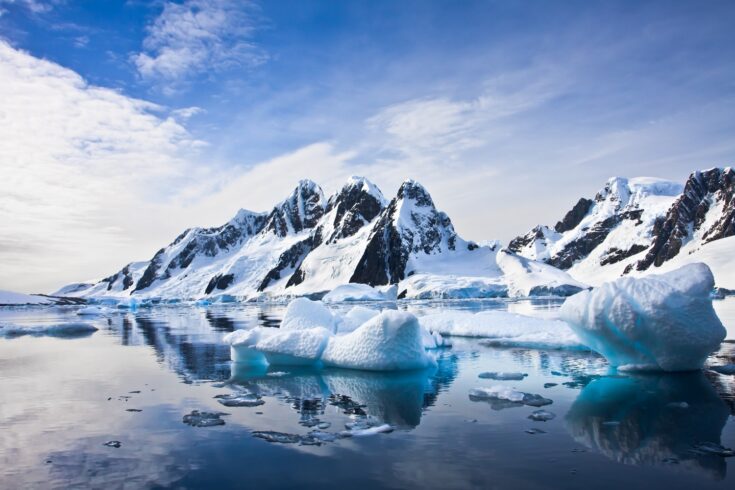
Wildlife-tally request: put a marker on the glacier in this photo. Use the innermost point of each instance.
(657, 322)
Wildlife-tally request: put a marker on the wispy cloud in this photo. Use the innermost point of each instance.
(35, 6)
(199, 36)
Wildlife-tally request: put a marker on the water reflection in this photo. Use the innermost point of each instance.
(651, 420)
(398, 399)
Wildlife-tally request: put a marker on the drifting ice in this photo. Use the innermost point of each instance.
(360, 292)
(658, 322)
(365, 339)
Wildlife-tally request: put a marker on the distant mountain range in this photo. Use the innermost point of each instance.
(308, 245)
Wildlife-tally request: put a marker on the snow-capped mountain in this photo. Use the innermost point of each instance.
(637, 225)
(308, 245)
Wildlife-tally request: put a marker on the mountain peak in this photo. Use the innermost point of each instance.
(413, 190)
(299, 211)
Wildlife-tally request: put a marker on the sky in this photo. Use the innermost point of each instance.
(124, 122)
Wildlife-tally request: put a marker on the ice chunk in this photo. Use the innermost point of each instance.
(505, 393)
(431, 286)
(242, 346)
(433, 340)
(660, 322)
(303, 313)
(541, 415)
(370, 431)
(204, 419)
(278, 437)
(92, 311)
(294, 347)
(503, 328)
(355, 318)
(62, 330)
(360, 292)
(390, 341)
(240, 400)
(502, 376)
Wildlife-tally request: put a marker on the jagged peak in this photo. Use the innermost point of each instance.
(413, 190)
(365, 185)
(300, 210)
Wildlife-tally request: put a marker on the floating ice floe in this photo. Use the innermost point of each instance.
(542, 415)
(360, 292)
(312, 335)
(92, 311)
(204, 419)
(506, 394)
(61, 330)
(657, 322)
(504, 329)
(502, 376)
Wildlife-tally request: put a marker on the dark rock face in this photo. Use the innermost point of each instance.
(686, 216)
(354, 208)
(585, 244)
(290, 259)
(207, 242)
(300, 211)
(125, 275)
(219, 281)
(519, 243)
(574, 216)
(615, 255)
(393, 237)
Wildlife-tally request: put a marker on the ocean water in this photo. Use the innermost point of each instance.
(66, 403)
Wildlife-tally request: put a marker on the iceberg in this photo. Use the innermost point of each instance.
(303, 313)
(360, 292)
(504, 329)
(356, 317)
(242, 346)
(657, 322)
(295, 347)
(390, 341)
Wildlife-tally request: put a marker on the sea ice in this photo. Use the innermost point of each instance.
(504, 393)
(541, 415)
(303, 313)
(240, 400)
(62, 330)
(502, 376)
(657, 322)
(360, 292)
(390, 341)
(204, 419)
(370, 431)
(504, 329)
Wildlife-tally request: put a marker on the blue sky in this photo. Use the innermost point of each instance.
(507, 111)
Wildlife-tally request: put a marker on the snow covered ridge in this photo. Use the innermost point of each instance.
(658, 322)
(355, 243)
(634, 226)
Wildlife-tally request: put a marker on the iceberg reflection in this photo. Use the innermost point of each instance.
(651, 420)
(398, 399)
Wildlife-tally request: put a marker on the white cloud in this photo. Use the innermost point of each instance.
(77, 164)
(197, 36)
(35, 6)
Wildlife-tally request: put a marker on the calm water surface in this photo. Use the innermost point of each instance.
(135, 379)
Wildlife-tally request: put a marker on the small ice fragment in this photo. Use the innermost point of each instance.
(115, 444)
(367, 432)
(324, 425)
(502, 376)
(92, 311)
(204, 419)
(541, 415)
(497, 393)
(240, 400)
(278, 437)
(533, 400)
(324, 436)
(535, 431)
(713, 448)
(550, 385)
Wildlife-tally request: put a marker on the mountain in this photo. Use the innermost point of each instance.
(309, 245)
(634, 226)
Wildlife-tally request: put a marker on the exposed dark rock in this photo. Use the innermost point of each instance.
(686, 216)
(300, 211)
(290, 259)
(574, 216)
(519, 243)
(219, 281)
(615, 255)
